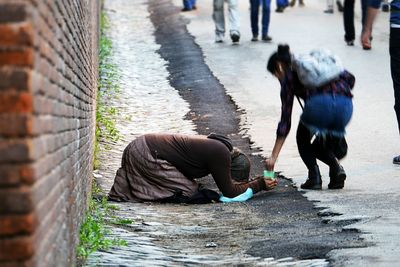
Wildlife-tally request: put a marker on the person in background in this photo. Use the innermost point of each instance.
(385, 6)
(281, 5)
(327, 111)
(163, 167)
(293, 3)
(254, 11)
(329, 6)
(219, 19)
(348, 19)
(394, 48)
(189, 5)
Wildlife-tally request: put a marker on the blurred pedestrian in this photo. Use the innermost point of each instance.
(385, 6)
(329, 6)
(254, 11)
(293, 3)
(219, 19)
(394, 48)
(327, 110)
(189, 5)
(339, 5)
(348, 19)
(163, 167)
(281, 5)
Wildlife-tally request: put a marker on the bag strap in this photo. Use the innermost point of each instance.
(301, 104)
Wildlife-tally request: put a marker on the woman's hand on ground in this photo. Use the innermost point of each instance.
(270, 184)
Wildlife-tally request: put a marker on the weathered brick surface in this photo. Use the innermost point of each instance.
(12, 12)
(13, 79)
(16, 248)
(16, 34)
(17, 224)
(48, 85)
(20, 56)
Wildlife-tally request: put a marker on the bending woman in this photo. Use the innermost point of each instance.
(327, 111)
(163, 167)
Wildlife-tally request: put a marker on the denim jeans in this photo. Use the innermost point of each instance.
(394, 47)
(327, 114)
(282, 3)
(189, 4)
(254, 10)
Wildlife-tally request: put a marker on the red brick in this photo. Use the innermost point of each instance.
(12, 12)
(13, 102)
(14, 264)
(19, 248)
(25, 150)
(16, 34)
(17, 57)
(27, 174)
(12, 175)
(17, 224)
(16, 200)
(15, 125)
(14, 79)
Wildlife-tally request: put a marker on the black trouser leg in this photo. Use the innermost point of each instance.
(304, 146)
(394, 48)
(324, 153)
(348, 18)
(307, 154)
(364, 6)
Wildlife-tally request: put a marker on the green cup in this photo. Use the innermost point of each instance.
(269, 175)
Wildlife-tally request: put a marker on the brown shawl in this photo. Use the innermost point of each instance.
(144, 178)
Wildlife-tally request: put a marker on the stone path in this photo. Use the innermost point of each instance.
(254, 233)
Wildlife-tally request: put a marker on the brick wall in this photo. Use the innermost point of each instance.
(48, 82)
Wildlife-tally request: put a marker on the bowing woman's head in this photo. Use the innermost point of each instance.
(240, 166)
(280, 61)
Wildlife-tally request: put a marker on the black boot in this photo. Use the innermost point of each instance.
(337, 175)
(314, 181)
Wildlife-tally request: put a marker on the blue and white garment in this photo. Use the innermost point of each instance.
(394, 11)
(395, 14)
(240, 198)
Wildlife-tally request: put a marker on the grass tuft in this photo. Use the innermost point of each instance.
(94, 229)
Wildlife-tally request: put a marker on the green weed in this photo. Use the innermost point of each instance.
(93, 232)
(122, 221)
(108, 87)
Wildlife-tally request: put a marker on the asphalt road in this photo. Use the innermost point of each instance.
(297, 230)
(371, 193)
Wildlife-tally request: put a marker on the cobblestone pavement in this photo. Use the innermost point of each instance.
(239, 234)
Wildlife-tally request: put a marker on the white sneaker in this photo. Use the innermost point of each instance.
(219, 38)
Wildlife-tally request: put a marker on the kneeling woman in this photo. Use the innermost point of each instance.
(327, 111)
(162, 167)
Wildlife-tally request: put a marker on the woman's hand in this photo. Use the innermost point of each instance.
(270, 163)
(270, 184)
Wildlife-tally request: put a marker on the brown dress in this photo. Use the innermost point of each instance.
(156, 166)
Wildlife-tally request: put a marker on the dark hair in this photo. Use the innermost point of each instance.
(282, 55)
